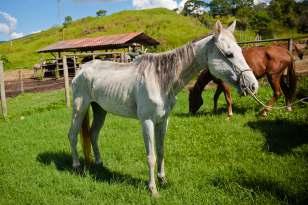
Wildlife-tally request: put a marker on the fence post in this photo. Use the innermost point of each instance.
(2, 92)
(75, 67)
(66, 82)
(290, 48)
(290, 45)
(21, 81)
(57, 73)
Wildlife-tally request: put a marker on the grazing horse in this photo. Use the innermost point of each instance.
(297, 48)
(269, 61)
(146, 89)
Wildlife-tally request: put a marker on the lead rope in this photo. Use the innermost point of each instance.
(302, 100)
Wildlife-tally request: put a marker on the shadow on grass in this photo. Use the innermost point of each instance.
(256, 185)
(281, 135)
(220, 111)
(63, 162)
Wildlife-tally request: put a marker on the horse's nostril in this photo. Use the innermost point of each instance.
(253, 87)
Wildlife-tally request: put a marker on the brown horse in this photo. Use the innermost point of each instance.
(269, 61)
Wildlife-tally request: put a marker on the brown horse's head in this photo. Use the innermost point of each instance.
(195, 101)
(299, 48)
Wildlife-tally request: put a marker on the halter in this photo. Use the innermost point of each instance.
(234, 67)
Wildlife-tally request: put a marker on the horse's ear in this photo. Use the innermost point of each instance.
(218, 27)
(232, 26)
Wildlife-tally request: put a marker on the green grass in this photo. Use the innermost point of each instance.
(209, 159)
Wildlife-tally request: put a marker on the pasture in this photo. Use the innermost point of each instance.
(209, 159)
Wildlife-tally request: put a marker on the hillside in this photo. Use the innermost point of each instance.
(169, 28)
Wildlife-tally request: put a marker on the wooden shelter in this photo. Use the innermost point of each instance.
(111, 47)
(101, 43)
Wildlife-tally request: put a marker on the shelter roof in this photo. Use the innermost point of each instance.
(101, 43)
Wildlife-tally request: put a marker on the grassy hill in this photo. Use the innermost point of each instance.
(169, 28)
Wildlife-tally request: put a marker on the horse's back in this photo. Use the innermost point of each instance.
(256, 59)
(111, 85)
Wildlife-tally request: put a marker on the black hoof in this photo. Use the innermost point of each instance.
(162, 181)
(79, 170)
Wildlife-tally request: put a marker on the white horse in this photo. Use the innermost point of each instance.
(146, 89)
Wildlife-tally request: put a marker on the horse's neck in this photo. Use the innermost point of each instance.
(203, 79)
(189, 69)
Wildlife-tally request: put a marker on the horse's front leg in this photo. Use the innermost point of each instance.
(216, 96)
(228, 98)
(160, 132)
(274, 81)
(148, 135)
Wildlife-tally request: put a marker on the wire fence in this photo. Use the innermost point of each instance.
(51, 79)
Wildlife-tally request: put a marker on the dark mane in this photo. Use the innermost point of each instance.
(167, 65)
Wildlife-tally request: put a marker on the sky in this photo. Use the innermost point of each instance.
(23, 17)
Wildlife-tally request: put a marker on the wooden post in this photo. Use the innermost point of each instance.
(290, 47)
(2, 92)
(57, 74)
(75, 68)
(66, 82)
(122, 60)
(21, 81)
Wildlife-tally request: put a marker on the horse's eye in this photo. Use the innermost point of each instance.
(229, 55)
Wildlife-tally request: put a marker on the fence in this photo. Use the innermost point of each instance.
(2, 90)
(24, 83)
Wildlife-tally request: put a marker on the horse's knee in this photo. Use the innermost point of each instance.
(151, 160)
(277, 94)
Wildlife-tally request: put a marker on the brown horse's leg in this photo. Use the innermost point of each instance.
(218, 91)
(287, 95)
(274, 81)
(228, 97)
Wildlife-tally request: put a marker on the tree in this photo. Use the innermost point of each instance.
(241, 4)
(261, 23)
(194, 8)
(101, 12)
(302, 9)
(68, 20)
(220, 8)
(4, 59)
(284, 11)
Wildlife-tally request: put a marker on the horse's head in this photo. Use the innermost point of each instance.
(226, 61)
(195, 101)
(300, 49)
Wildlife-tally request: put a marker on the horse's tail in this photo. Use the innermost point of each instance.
(85, 139)
(291, 78)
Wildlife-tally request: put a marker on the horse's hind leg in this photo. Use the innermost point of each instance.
(160, 132)
(99, 116)
(288, 97)
(80, 108)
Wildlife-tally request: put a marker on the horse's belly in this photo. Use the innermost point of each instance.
(118, 105)
(118, 109)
